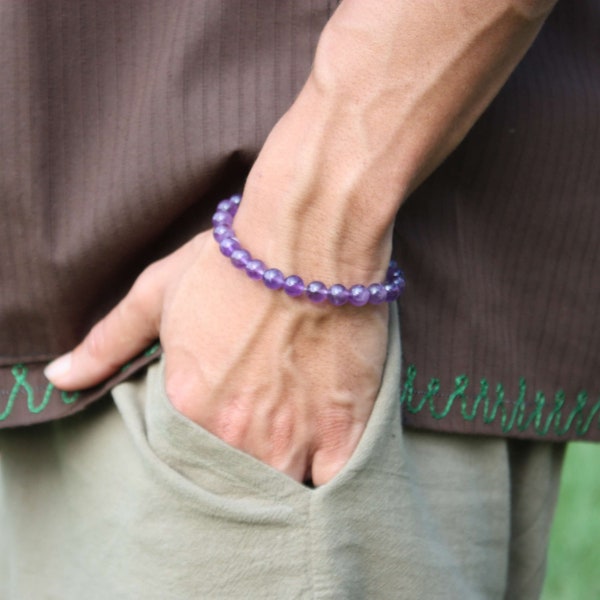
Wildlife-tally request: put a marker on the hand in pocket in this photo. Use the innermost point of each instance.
(289, 382)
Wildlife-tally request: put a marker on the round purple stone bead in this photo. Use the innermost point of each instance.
(392, 266)
(338, 294)
(377, 293)
(228, 246)
(273, 279)
(220, 232)
(293, 286)
(316, 291)
(255, 269)
(359, 295)
(222, 218)
(392, 290)
(396, 275)
(240, 258)
(228, 206)
(225, 205)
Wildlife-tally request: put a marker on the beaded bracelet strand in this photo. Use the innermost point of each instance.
(316, 291)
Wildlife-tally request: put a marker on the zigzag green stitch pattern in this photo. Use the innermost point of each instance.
(17, 373)
(519, 415)
(20, 373)
(38, 409)
(69, 398)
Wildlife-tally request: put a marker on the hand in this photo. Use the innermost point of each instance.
(286, 381)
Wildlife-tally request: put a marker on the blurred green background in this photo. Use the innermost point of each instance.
(574, 555)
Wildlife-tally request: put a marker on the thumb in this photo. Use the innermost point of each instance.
(129, 328)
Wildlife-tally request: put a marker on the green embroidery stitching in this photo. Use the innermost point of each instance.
(69, 398)
(518, 409)
(20, 372)
(585, 427)
(148, 352)
(517, 415)
(37, 409)
(557, 413)
(21, 384)
(17, 373)
(432, 391)
(154, 348)
(461, 384)
(408, 391)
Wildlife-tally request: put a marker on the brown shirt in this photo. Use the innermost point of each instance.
(123, 122)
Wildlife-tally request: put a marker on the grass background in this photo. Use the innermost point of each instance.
(574, 554)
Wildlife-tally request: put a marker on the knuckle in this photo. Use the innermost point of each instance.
(146, 281)
(126, 315)
(95, 343)
(145, 288)
(233, 422)
(133, 314)
(141, 300)
(142, 290)
(99, 349)
(284, 431)
(231, 431)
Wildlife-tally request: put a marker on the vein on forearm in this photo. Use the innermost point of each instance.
(395, 86)
(401, 83)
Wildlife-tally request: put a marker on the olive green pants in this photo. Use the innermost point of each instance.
(130, 500)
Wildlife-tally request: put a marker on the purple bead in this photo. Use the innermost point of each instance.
(255, 269)
(377, 293)
(395, 275)
(359, 295)
(392, 290)
(228, 246)
(273, 279)
(222, 218)
(316, 291)
(227, 206)
(240, 258)
(338, 294)
(293, 286)
(220, 232)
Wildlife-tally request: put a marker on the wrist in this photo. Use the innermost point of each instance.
(357, 294)
(312, 237)
(315, 205)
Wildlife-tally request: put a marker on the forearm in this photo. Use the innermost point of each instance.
(406, 80)
(394, 88)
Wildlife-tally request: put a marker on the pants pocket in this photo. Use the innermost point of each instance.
(224, 524)
(257, 529)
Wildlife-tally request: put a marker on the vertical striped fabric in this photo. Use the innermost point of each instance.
(121, 124)
(502, 251)
(123, 121)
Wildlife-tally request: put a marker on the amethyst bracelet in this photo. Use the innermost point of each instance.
(316, 291)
